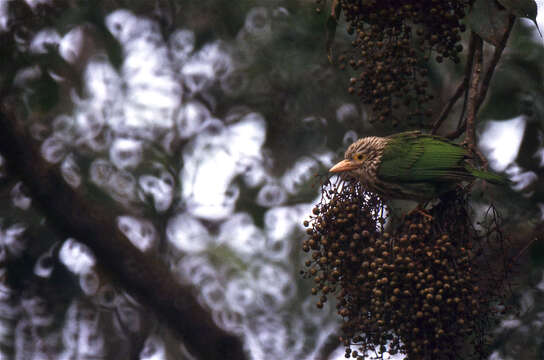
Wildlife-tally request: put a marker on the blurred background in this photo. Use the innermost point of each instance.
(206, 121)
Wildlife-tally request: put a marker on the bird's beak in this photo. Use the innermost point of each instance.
(344, 165)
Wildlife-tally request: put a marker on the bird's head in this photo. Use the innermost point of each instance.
(360, 156)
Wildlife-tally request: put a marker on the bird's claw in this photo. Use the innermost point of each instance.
(420, 209)
(422, 212)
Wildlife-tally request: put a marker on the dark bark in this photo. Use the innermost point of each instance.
(72, 213)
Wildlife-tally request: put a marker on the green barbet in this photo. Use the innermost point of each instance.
(410, 165)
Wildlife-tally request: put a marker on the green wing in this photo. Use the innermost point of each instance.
(416, 157)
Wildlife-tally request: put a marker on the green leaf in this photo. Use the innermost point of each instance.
(332, 22)
(522, 8)
(488, 20)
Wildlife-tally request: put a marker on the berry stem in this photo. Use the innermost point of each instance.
(473, 91)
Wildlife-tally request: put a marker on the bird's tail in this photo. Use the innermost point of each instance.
(489, 176)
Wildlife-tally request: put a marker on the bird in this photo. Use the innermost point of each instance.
(411, 165)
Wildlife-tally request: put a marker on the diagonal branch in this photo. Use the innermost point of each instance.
(461, 88)
(494, 61)
(74, 213)
(473, 90)
(446, 110)
(482, 92)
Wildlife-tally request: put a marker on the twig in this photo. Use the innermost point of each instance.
(468, 70)
(459, 91)
(446, 110)
(461, 123)
(457, 132)
(494, 61)
(515, 259)
(473, 91)
(487, 77)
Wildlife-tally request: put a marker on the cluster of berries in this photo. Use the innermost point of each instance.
(421, 289)
(393, 42)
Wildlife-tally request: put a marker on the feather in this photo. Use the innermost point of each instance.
(410, 165)
(417, 157)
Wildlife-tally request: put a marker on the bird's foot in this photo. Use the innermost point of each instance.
(420, 209)
(424, 213)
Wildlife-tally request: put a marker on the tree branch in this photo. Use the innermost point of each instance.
(459, 91)
(329, 346)
(72, 212)
(494, 61)
(446, 110)
(475, 80)
(482, 93)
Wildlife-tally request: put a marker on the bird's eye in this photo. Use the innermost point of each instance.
(359, 157)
